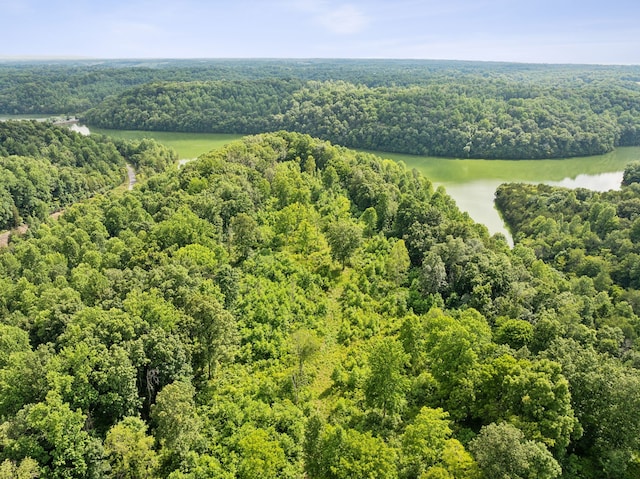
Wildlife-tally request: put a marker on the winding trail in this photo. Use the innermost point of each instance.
(4, 237)
(22, 229)
(131, 175)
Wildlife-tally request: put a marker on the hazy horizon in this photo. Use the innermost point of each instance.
(54, 58)
(553, 32)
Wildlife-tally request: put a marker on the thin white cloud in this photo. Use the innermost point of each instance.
(340, 19)
(343, 20)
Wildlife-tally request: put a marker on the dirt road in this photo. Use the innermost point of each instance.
(4, 237)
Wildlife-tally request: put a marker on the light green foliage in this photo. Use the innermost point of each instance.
(260, 457)
(183, 228)
(54, 435)
(27, 469)
(24, 380)
(424, 439)
(502, 452)
(288, 185)
(398, 263)
(454, 347)
(413, 341)
(532, 395)
(346, 453)
(514, 332)
(458, 462)
(177, 424)
(305, 345)
(12, 340)
(129, 450)
(428, 451)
(386, 383)
(204, 310)
(98, 380)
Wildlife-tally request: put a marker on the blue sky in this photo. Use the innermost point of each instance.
(544, 31)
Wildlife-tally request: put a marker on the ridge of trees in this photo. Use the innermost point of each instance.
(71, 87)
(214, 322)
(457, 119)
(440, 108)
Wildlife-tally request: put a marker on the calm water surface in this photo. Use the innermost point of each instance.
(472, 183)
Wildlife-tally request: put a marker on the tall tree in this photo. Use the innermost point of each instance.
(344, 238)
(502, 452)
(386, 383)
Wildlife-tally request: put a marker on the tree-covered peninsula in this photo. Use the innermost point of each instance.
(464, 119)
(286, 308)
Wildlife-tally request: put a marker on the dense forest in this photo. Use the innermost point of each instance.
(71, 87)
(44, 168)
(456, 109)
(286, 308)
(581, 232)
(477, 120)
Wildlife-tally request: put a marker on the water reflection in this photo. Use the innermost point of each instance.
(83, 130)
(476, 197)
(601, 182)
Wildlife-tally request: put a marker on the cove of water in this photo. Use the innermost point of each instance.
(472, 183)
(476, 197)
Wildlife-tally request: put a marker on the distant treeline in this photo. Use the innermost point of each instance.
(71, 87)
(475, 120)
(441, 108)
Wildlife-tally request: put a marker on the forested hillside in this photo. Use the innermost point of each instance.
(481, 119)
(581, 232)
(71, 87)
(44, 168)
(440, 108)
(285, 308)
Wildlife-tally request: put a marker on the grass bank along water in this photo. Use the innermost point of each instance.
(188, 145)
(472, 183)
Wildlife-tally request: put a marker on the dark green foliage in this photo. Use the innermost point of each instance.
(502, 451)
(631, 174)
(459, 109)
(467, 117)
(344, 237)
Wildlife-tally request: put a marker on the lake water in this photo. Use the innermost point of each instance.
(476, 197)
(471, 183)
